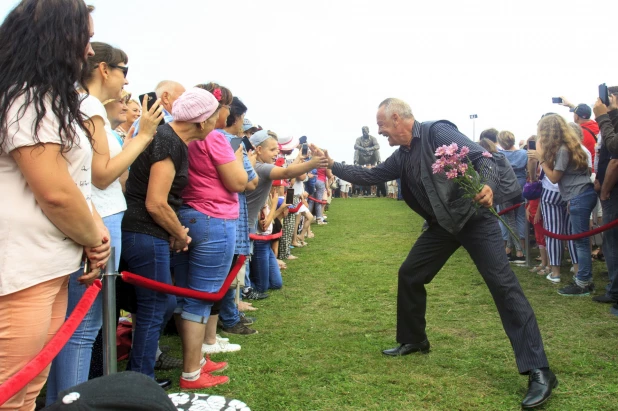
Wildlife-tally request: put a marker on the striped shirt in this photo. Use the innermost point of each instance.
(405, 163)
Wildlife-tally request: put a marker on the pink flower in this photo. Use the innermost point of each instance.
(463, 151)
(441, 151)
(451, 150)
(217, 93)
(452, 161)
(451, 174)
(437, 168)
(487, 154)
(463, 167)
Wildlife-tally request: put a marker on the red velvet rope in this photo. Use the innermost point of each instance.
(506, 210)
(295, 209)
(580, 235)
(184, 292)
(318, 201)
(36, 365)
(266, 237)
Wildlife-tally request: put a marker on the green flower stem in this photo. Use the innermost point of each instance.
(515, 238)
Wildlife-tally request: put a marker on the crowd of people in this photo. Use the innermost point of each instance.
(567, 174)
(178, 184)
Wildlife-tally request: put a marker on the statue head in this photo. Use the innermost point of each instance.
(365, 131)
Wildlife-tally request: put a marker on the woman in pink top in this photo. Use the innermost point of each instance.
(210, 210)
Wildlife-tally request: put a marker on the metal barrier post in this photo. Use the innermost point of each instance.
(527, 242)
(109, 316)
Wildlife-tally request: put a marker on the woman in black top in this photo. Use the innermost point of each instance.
(150, 227)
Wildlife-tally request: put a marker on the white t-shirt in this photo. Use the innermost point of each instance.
(32, 249)
(111, 200)
(298, 187)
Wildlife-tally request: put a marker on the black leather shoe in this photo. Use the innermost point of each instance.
(165, 384)
(540, 385)
(605, 299)
(405, 349)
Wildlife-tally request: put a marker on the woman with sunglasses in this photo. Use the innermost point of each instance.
(104, 80)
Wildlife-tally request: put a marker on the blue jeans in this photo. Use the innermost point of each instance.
(265, 273)
(72, 365)
(610, 242)
(580, 208)
(229, 314)
(207, 263)
(149, 257)
(320, 187)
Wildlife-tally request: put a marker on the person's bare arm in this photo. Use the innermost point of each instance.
(47, 175)
(294, 170)
(252, 185)
(106, 170)
(233, 174)
(162, 175)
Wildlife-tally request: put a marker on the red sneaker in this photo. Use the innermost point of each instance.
(211, 366)
(205, 381)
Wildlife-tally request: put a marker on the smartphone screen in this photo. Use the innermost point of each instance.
(305, 149)
(247, 143)
(289, 197)
(556, 100)
(531, 145)
(604, 94)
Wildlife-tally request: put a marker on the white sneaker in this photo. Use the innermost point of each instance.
(219, 338)
(219, 347)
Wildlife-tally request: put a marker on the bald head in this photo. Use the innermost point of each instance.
(168, 91)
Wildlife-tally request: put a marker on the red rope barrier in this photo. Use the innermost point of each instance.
(266, 237)
(580, 235)
(184, 292)
(36, 365)
(295, 209)
(506, 210)
(318, 201)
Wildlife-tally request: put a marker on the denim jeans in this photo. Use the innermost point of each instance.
(265, 273)
(610, 242)
(320, 187)
(580, 208)
(149, 257)
(72, 365)
(516, 220)
(207, 263)
(229, 314)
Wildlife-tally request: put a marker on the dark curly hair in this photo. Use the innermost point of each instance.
(42, 56)
(237, 109)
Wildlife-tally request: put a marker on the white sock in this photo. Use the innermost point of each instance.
(191, 376)
(159, 352)
(202, 363)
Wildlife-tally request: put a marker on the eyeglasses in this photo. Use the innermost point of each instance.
(125, 69)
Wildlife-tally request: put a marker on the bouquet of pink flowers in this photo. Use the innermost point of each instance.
(455, 164)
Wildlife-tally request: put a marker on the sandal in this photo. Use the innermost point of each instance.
(282, 265)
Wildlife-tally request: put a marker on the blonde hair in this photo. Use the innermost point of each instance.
(506, 139)
(578, 131)
(554, 132)
(488, 145)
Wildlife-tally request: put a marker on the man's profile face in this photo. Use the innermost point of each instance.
(386, 127)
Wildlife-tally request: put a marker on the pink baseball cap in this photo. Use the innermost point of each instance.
(195, 105)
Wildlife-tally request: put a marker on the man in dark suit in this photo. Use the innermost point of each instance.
(453, 221)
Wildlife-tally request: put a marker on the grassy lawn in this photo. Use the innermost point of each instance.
(320, 337)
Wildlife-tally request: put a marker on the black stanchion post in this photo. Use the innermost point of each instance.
(109, 317)
(527, 242)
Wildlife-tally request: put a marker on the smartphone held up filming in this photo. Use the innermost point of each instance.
(531, 145)
(604, 94)
(556, 100)
(152, 98)
(289, 196)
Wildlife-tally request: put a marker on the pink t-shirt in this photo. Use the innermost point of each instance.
(205, 191)
(322, 174)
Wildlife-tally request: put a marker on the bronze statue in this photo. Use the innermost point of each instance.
(366, 149)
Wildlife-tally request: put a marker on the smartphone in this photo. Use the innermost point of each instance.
(247, 143)
(289, 196)
(556, 100)
(152, 97)
(86, 266)
(235, 143)
(531, 145)
(305, 149)
(604, 94)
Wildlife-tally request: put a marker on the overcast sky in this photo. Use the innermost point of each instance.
(320, 68)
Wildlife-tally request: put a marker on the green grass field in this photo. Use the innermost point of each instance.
(320, 337)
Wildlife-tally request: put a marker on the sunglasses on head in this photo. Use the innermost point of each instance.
(125, 69)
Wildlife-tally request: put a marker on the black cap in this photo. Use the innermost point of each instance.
(582, 110)
(122, 391)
